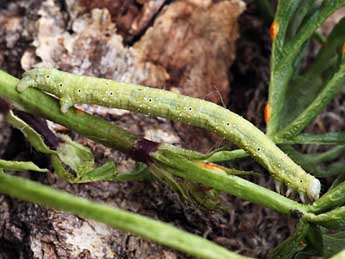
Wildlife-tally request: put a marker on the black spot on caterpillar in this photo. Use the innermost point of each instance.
(74, 89)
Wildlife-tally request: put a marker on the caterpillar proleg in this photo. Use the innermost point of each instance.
(74, 89)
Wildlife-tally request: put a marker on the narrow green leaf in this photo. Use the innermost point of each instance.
(30, 134)
(333, 244)
(283, 16)
(304, 8)
(223, 156)
(20, 166)
(327, 156)
(60, 170)
(327, 8)
(168, 179)
(76, 156)
(319, 139)
(333, 219)
(106, 172)
(294, 244)
(284, 55)
(140, 173)
(331, 89)
(304, 88)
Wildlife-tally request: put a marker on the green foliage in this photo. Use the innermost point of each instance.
(20, 166)
(289, 117)
(333, 244)
(30, 134)
(304, 241)
(297, 95)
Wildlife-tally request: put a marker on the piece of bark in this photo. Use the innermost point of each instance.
(195, 44)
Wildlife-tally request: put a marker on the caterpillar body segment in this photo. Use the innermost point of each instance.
(73, 89)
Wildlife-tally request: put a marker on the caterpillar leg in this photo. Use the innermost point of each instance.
(288, 192)
(278, 186)
(302, 197)
(65, 104)
(25, 83)
(311, 194)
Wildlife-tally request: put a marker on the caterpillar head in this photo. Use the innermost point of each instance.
(314, 189)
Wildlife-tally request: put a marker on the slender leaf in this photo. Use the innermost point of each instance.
(293, 244)
(320, 139)
(333, 244)
(30, 134)
(20, 166)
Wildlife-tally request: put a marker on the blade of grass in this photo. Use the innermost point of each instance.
(319, 139)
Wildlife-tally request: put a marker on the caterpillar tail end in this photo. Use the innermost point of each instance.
(314, 189)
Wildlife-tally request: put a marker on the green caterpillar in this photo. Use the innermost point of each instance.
(73, 89)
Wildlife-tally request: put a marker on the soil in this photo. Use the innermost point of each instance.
(183, 46)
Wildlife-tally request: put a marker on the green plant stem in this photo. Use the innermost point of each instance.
(230, 184)
(142, 226)
(332, 219)
(332, 199)
(223, 156)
